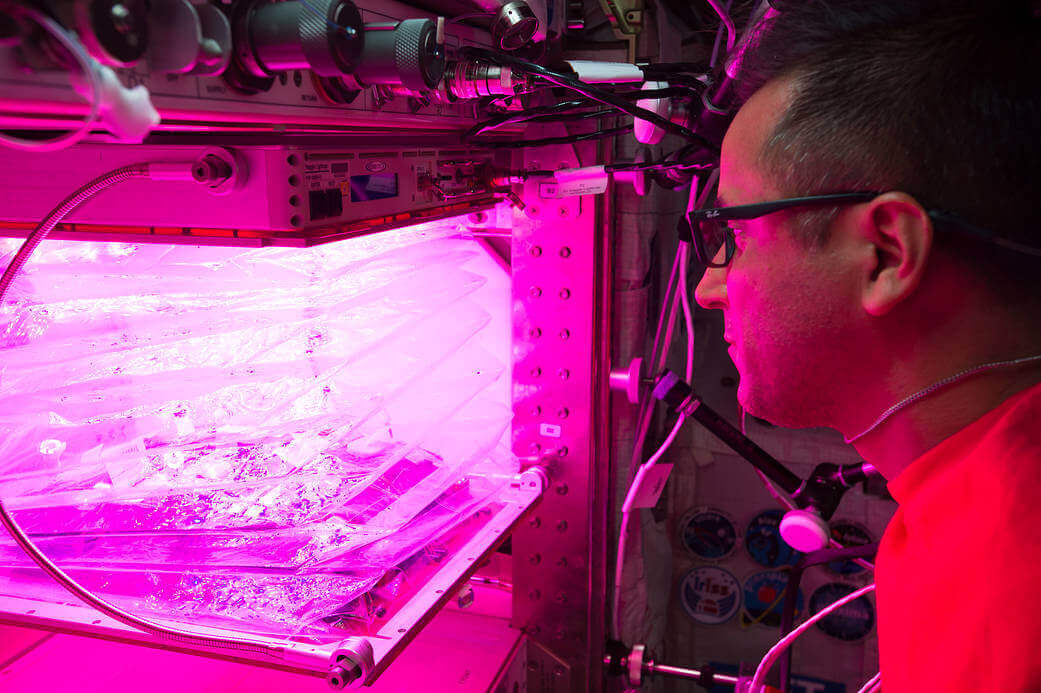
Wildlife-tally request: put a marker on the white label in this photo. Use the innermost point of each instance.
(593, 186)
(550, 430)
(653, 484)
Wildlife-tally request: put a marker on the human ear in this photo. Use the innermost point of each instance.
(897, 237)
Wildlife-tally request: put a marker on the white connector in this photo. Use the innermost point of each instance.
(127, 113)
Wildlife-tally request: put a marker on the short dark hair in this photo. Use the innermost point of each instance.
(941, 100)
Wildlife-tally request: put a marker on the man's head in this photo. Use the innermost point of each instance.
(939, 106)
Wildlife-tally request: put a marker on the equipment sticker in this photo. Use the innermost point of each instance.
(708, 534)
(710, 595)
(850, 622)
(764, 595)
(764, 543)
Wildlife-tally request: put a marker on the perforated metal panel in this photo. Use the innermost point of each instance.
(557, 342)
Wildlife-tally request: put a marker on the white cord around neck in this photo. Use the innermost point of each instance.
(907, 401)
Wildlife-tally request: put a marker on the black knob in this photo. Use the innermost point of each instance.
(405, 53)
(321, 35)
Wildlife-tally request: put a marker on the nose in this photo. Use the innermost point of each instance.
(711, 292)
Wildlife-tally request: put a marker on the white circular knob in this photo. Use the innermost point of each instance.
(804, 530)
(645, 131)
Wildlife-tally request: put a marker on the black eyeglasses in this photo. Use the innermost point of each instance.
(709, 231)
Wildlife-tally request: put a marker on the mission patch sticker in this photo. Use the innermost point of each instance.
(848, 533)
(764, 598)
(710, 595)
(708, 534)
(764, 543)
(850, 622)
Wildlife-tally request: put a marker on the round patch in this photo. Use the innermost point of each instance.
(848, 533)
(710, 595)
(764, 598)
(850, 622)
(764, 543)
(708, 534)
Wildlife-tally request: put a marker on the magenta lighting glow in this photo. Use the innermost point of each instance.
(259, 439)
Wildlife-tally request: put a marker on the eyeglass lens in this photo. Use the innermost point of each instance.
(713, 237)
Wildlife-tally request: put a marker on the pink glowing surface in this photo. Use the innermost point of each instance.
(249, 438)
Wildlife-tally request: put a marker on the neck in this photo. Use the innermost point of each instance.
(909, 433)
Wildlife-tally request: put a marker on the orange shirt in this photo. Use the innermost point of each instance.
(959, 568)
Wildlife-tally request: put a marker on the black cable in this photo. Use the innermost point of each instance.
(542, 113)
(693, 68)
(601, 95)
(569, 139)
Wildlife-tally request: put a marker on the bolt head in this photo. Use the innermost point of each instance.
(565, 252)
(534, 292)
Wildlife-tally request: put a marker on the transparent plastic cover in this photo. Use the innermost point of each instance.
(252, 439)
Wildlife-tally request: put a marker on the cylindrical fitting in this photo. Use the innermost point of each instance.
(321, 35)
(405, 53)
(514, 25)
(473, 80)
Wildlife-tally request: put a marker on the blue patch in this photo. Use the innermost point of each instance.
(708, 534)
(763, 601)
(764, 543)
(710, 595)
(850, 622)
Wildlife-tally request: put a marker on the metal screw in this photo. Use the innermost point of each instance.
(565, 334)
(536, 250)
(535, 522)
(560, 598)
(535, 448)
(565, 252)
(565, 294)
(562, 211)
(536, 410)
(559, 633)
(536, 372)
(564, 373)
(534, 595)
(562, 413)
(532, 665)
(562, 526)
(562, 562)
(559, 672)
(534, 292)
(534, 559)
(561, 491)
(534, 333)
(562, 451)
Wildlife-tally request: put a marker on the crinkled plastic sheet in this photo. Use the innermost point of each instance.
(247, 438)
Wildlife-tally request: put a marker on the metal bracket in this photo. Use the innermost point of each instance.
(626, 16)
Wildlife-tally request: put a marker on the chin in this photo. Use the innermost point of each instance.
(779, 411)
